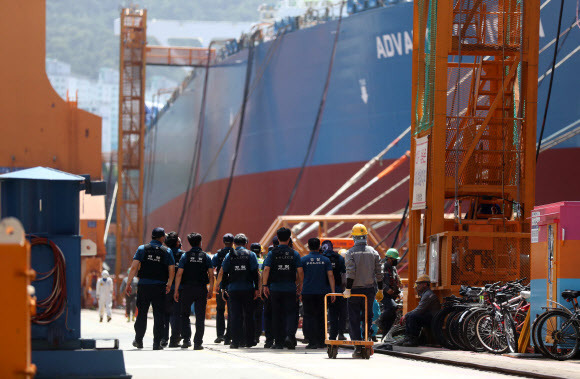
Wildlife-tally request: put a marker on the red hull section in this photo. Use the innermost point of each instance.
(256, 200)
(558, 176)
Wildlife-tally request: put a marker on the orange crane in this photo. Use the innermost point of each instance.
(133, 58)
(473, 140)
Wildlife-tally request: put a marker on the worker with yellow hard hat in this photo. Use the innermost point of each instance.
(391, 290)
(422, 315)
(363, 276)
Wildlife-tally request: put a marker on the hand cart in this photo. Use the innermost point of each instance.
(333, 345)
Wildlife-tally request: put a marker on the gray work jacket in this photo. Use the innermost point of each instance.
(429, 303)
(364, 266)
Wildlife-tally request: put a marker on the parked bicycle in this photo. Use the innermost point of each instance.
(556, 332)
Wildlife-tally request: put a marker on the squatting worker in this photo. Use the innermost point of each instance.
(391, 290)
(220, 322)
(172, 311)
(240, 270)
(194, 274)
(363, 276)
(423, 314)
(256, 248)
(337, 309)
(154, 266)
(318, 281)
(282, 280)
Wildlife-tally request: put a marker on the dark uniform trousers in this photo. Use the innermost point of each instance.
(172, 314)
(268, 319)
(283, 315)
(258, 317)
(242, 312)
(150, 295)
(220, 321)
(337, 317)
(130, 305)
(356, 310)
(314, 318)
(190, 294)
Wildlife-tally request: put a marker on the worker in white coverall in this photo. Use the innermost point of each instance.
(105, 295)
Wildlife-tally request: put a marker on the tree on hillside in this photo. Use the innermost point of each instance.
(80, 32)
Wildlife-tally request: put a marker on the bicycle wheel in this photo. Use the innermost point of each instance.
(453, 329)
(469, 333)
(510, 332)
(559, 335)
(536, 332)
(438, 327)
(490, 332)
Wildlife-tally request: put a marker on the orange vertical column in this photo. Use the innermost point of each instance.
(15, 360)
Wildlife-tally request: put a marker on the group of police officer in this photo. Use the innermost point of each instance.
(255, 291)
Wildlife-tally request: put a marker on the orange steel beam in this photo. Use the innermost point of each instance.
(179, 56)
(131, 148)
(324, 219)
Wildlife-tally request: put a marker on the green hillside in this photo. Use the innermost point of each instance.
(80, 32)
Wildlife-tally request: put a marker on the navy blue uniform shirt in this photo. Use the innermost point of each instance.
(140, 255)
(316, 267)
(283, 286)
(240, 285)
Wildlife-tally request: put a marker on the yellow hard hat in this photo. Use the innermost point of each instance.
(423, 278)
(359, 230)
(342, 252)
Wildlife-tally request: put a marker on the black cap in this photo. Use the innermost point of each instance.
(158, 232)
(256, 248)
(228, 238)
(275, 241)
(326, 245)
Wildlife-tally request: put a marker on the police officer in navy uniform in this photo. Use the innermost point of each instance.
(220, 322)
(268, 306)
(172, 311)
(194, 274)
(240, 268)
(336, 310)
(318, 281)
(155, 267)
(256, 248)
(282, 280)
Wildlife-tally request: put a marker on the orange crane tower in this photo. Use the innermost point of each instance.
(133, 58)
(473, 140)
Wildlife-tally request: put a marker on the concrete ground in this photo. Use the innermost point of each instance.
(218, 361)
(533, 364)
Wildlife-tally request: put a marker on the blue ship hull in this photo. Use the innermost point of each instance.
(368, 106)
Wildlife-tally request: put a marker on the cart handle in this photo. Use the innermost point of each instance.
(352, 295)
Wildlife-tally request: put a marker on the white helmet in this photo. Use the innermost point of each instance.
(105, 274)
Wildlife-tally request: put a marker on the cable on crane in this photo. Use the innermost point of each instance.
(53, 306)
(249, 66)
(551, 80)
(318, 121)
